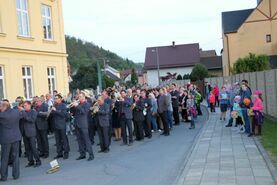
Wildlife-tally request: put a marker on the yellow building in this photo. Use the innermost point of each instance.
(33, 59)
(249, 31)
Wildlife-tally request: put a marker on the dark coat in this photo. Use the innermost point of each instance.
(104, 115)
(138, 111)
(58, 116)
(163, 103)
(147, 104)
(125, 108)
(9, 126)
(29, 123)
(80, 114)
(175, 102)
(41, 122)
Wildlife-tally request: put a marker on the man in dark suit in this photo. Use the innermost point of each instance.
(138, 117)
(163, 103)
(10, 136)
(109, 102)
(103, 125)
(126, 117)
(29, 134)
(175, 103)
(42, 128)
(58, 114)
(80, 112)
(147, 113)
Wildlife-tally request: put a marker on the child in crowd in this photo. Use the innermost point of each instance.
(237, 114)
(224, 101)
(192, 112)
(257, 108)
(212, 101)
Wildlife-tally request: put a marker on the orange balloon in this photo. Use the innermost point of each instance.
(246, 101)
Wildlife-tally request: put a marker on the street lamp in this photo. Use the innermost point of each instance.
(158, 63)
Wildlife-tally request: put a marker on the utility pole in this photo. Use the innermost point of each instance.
(158, 66)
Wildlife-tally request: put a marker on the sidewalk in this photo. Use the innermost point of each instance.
(222, 156)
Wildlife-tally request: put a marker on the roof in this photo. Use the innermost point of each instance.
(125, 73)
(172, 56)
(231, 21)
(207, 53)
(212, 62)
(112, 76)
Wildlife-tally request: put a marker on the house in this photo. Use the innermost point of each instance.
(126, 75)
(179, 59)
(112, 73)
(33, 59)
(213, 64)
(249, 31)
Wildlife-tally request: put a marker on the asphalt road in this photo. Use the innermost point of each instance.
(155, 161)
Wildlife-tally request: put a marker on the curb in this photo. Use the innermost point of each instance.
(183, 171)
(270, 166)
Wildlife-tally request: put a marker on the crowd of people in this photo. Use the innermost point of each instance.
(246, 108)
(123, 114)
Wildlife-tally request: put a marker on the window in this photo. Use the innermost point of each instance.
(27, 82)
(268, 38)
(2, 84)
(22, 18)
(51, 79)
(47, 22)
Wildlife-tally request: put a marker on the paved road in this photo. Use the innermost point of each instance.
(152, 162)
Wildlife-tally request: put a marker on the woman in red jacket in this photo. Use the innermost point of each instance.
(216, 93)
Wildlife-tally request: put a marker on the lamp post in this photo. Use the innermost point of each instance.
(99, 76)
(158, 63)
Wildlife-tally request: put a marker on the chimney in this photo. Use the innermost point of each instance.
(173, 44)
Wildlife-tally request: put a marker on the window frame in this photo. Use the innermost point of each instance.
(2, 77)
(25, 79)
(268, 38)
(21, 12)
(47, 18)
(51, 77)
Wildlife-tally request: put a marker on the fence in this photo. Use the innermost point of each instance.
(264, 80)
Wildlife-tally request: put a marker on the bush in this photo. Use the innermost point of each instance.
(251, 63)
(179, 77)
(186, 77)
(199, 72)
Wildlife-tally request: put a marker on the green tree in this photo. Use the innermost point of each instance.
(108, 82)
(186, 77)
(179, 77)
(134, 77)
(251, 63)
(86, 77)
(199, 72)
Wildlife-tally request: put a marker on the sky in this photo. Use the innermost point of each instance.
(127, 27)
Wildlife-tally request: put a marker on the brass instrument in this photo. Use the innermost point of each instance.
(72, 104)
(95, 108)
(133, 106)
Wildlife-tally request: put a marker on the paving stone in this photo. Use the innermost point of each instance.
(244, 172)
(245, 180)
(264, 181)
(261, 172)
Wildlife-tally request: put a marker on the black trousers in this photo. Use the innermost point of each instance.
(139, 130)
(104, 137)
(176, 115)
(185, 114)
(92, 130)
(212, 107)
(83, 141)
(199, 112)
(61, 141)
(163, 116)
(126, 123)
(6, 149)
(31, 149)
(43, 144)
(147, 126)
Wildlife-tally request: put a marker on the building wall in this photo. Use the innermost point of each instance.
(250, 37)
(152, 75)
(17, 51)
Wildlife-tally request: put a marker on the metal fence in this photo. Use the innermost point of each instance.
(266, 81)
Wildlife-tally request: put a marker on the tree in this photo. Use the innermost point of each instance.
(186, 77)
(86, 77)
(108, 82)
(199, 72)
(179, 77)
(134, 77)
(251, 63)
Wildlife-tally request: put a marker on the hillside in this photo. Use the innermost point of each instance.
(86, 53)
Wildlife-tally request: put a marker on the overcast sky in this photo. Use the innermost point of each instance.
(127, 27)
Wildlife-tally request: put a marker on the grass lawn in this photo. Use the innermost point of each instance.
(269, 138)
